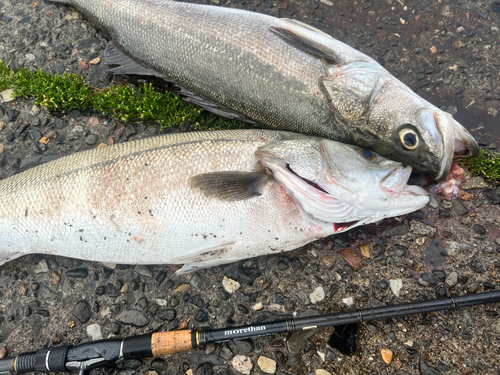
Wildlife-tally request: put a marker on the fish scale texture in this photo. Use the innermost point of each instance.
(228, 56)
(131, 203)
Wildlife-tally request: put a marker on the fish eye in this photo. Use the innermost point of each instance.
(408, 138)
(367, 154)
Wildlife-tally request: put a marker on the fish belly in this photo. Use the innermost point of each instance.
(131, 203)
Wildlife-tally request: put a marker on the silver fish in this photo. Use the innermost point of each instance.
(202, 198)
(281, 73)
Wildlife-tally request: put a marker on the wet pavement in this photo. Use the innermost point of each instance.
(447, 51)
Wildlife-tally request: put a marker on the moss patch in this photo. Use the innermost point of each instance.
(70, 91)
(486, 164)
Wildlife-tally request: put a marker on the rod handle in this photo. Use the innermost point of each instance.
(163, 343)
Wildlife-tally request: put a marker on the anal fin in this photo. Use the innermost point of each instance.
(207, 257)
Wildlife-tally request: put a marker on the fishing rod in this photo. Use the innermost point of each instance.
(85, 357)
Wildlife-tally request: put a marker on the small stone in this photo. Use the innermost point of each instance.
(396, 285)
(386, 355)
(83, 64)
(60, 67)
(91, 139)
(427, 369)
(230, 285)
(479, 229)
(365, 250)
(93, 121)
(317, 295)
(433, 49)
(95, 61)
(399, 229)
(352, 257)
(196, 280)
(78, 273)
(451, 279)
(81, 311)
(4, 352)
(349, 301)
(42, 267)
(6, 96)
(495, 326)
(56, 339)
(476, 265)
(242, 364)
(56, 278)
(463, 195)
(475, 183)
(267, 365)
(94, 331)
(133, 317)
(182, 288)
(22, 289)
(419, 229)
(143, 270)
(320, 371)
(459, 207)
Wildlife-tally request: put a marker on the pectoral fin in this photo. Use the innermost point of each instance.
(230, 186)
(305, 43)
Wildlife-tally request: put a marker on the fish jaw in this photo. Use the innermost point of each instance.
(444, 133)
(465, 144)
(332, 203)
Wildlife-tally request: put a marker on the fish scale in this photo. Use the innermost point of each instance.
(136, 202)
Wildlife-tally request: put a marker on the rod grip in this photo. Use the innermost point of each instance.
(163, 343)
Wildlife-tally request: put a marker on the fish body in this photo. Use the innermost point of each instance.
(281, 73)
(202, 198)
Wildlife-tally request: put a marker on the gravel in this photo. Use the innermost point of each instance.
(447, 249)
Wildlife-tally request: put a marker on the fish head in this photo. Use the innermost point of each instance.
(339, 183)
(415, 132)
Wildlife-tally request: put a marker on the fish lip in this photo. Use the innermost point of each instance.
(396, 180)
(465, 139)
(444, 123)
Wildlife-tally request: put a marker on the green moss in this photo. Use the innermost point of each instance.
(70, 91)
(486, 164)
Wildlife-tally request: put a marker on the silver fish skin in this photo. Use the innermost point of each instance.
(281, 73)
(202, 198)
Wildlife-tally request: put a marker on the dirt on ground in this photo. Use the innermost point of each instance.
(447, 51)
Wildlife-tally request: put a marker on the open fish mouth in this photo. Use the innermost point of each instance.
(465, 145)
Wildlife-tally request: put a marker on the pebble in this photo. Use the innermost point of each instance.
(6, 96)
(196, 280)
(78, 273)
(22, 289)
(230, 285)
(476, 265)
(386, 355)
(95, 61)
(320, 371)
(459, 207)
(496, 325)
(132, 317)
(427, 369)
(419, 229)
(451, 279)
(60, 67)
(267, 364)
(242, 364)
(317, 295)
(352, 257)
(475, 183)
(56, 278)
(396, 285)
(94, 331)
(42, 267)
(90, 140)
(182, 288)
(365, 250)
(81, 311)
(399, 229)
(4, 352)
(143, 270)
(349, 301)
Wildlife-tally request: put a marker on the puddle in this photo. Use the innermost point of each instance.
(435, 254)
